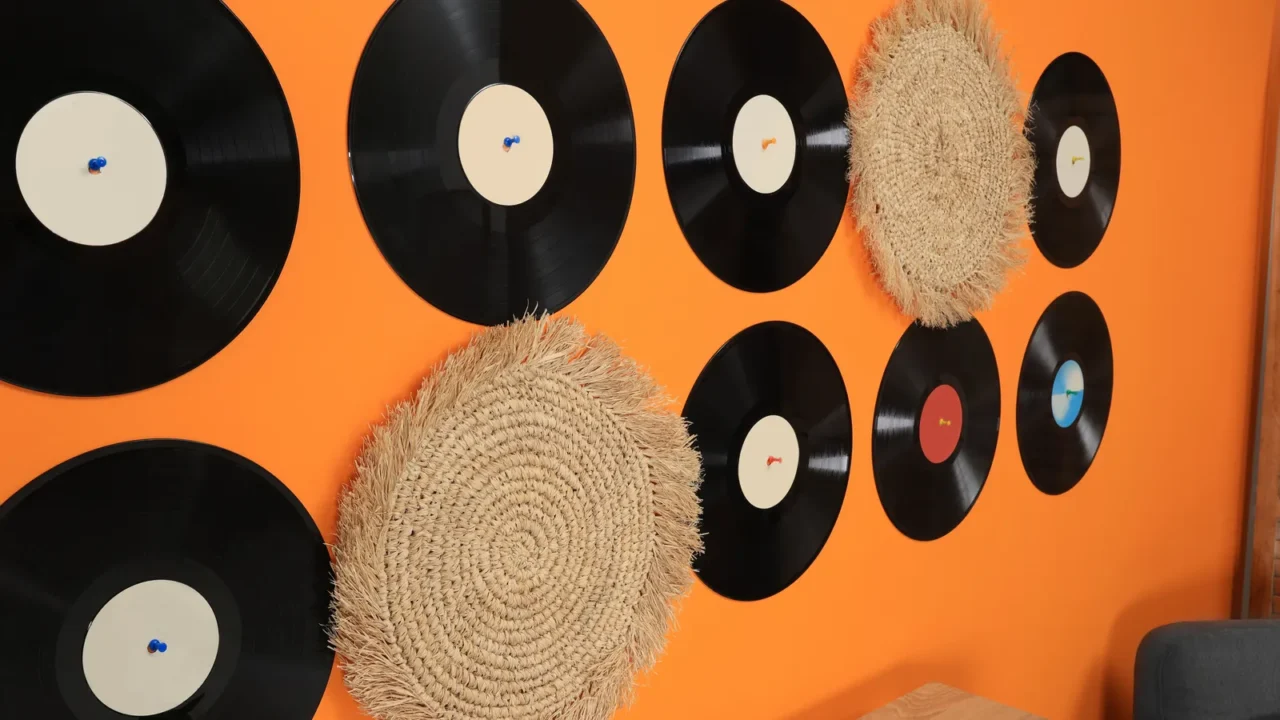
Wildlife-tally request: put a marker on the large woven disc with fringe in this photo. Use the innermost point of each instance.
(515, 535)
(941, 169)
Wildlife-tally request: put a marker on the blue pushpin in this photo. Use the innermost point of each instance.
(96, 165)
(156, 646)
(506, 143)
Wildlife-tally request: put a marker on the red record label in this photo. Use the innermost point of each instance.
(940, 423)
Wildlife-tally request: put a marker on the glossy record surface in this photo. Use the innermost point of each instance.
(743, 48)
(1071, 328)
(1073, 91)
(473, 259)
(164, 509)
(78, 320)
(774, 368)
(927, 500)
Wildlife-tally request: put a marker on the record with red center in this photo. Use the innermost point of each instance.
(936, 424)
(771, 419)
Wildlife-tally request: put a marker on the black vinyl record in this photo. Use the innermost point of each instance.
(770, 416)
(756, 76)
(85, 314)
(1075, 130)
(1064, 393)
(936, 425)
(143, 521)
(518, 205)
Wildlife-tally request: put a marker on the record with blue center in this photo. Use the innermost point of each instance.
(1068, 394)
(1064, 393)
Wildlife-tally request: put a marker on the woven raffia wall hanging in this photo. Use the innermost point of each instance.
(516, 535)
(941, 169)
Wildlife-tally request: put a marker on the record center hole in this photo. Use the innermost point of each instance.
(1072, 161)
(60, 159)
(764, 122)
(768, 443)
(498, 119)
(122, 668)
(941, 419)
(1067, 394)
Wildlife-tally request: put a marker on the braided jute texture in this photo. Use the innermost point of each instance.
(940, 166)
(516, 536)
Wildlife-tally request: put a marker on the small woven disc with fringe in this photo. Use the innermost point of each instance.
(516, 535)
(941, 169)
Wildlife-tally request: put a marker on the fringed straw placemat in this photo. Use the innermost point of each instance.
(941, 169)
(516, 535)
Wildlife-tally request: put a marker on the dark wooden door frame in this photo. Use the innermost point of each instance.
(1257, 591)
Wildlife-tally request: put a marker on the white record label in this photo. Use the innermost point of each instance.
(54, 175)
(126, 672)
(505, 144)
(767, 461)
(1073, 161)
(764, 144)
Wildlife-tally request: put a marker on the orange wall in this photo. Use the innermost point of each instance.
(1036, 601)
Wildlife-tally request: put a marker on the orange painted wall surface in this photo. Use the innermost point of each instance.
(1035, 601)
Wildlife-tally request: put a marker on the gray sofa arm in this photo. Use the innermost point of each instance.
(1226, 670)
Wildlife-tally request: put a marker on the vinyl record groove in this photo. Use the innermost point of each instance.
(493, 152)
(771, 418)
(118, 278)
(754, 144)
(1064, 393)
(1076, 133)
(936, 425)
(168, 545)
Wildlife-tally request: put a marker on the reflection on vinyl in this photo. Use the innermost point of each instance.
(152, 193)
(754, 144)
(161, 578)
(493, 152)
(936, 424)
(770, 416)
(1076, 133)
(1064, 393)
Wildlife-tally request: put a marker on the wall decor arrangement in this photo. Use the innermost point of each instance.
(578, 360)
